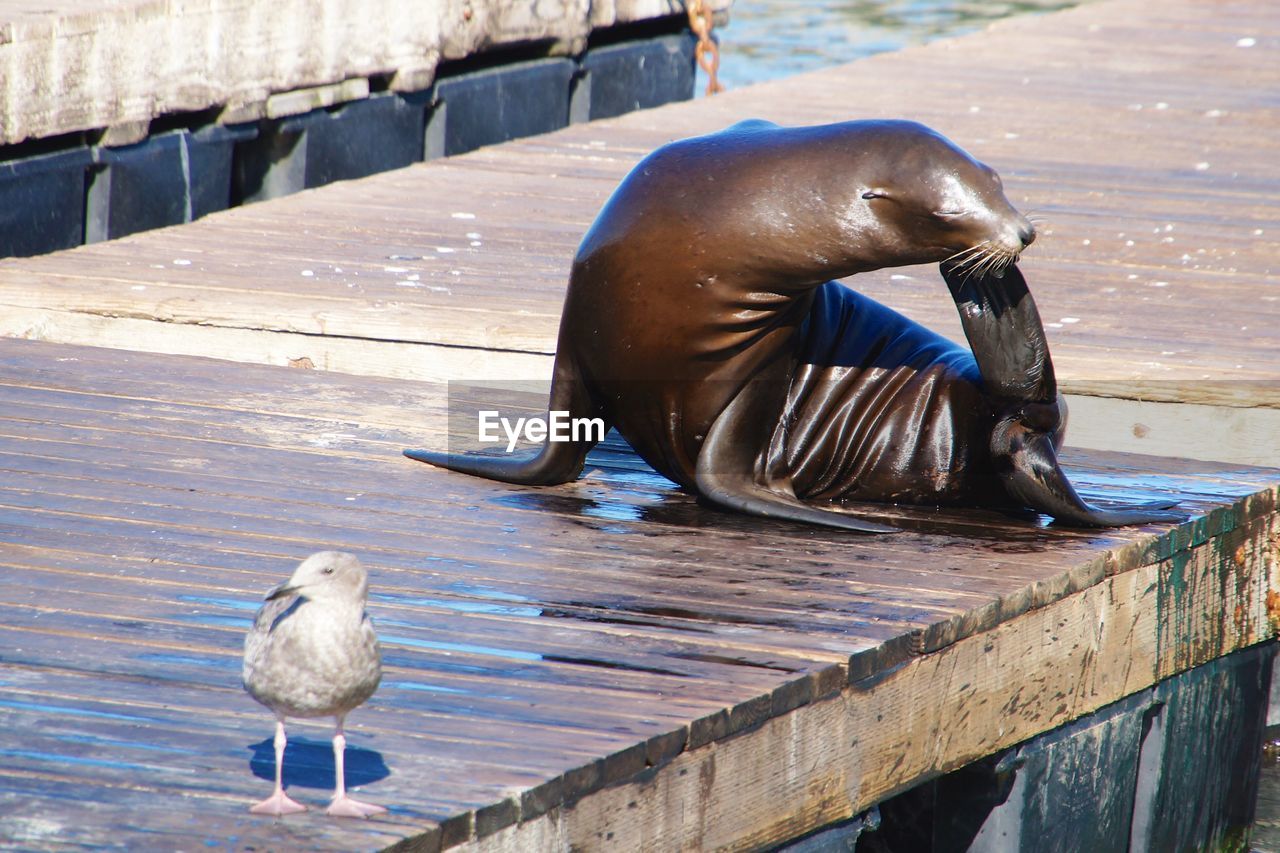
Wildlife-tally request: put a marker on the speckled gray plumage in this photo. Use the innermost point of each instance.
(312, 651)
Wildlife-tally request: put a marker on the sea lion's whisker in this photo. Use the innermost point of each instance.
(970, 272)
(974, 248)
(982, 259)
(976, 259)
(989, 257)
(988, 264)
(975, 270)
(960, 257)
(997, 261)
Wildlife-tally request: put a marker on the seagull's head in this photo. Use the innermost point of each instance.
(330, 575)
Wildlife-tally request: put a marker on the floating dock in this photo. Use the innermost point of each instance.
(606, 664)
(127, 115)
(1142, 137)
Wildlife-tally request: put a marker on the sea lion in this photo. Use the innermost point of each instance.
(701, 321)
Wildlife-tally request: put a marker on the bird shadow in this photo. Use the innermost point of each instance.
(309, 763)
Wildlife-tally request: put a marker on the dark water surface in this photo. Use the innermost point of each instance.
(767, 39)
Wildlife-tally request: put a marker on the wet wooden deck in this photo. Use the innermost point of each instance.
(1147, 138)
(567, 650)
(606, 662)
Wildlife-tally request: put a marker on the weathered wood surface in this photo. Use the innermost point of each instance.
(553, 655)
(73, 65)
(1145, 135)
(607, 662)
(1172, 767)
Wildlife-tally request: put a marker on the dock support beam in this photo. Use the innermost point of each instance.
(1173, 767)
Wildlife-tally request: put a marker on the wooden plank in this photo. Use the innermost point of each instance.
(168, 506)
(682, 654)
(364, 356)
(468, 749)
(1244, 435)
(607, 656)
(1119, 779)
(1152, 270)
(529, 673)
(411, 483)
(825, 764)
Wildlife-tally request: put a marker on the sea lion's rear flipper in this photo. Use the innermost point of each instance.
(1007, 338)
(1031, 474)
(555, 462)
(728, 475)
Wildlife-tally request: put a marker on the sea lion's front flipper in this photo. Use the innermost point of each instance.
(729, 473)
(554, 463)
(1004, 331)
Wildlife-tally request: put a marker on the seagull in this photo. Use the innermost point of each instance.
(312, 652)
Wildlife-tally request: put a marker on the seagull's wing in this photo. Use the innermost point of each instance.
(258, 641)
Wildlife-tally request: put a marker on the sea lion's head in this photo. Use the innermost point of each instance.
(919, 198)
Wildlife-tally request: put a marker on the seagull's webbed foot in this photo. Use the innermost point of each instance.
(344, 806)
(278, 804)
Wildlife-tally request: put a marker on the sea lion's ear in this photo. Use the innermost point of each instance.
(875, 192)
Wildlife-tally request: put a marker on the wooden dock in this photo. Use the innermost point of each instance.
(1144, 136)
(553, 655)
(122, 64)
(606, 664)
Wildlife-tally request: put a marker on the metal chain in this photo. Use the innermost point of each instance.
(707, 51)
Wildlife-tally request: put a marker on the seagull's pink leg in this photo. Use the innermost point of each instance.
(279, 803)
(342, 805)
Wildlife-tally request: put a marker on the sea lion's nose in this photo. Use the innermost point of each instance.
(1027, 234)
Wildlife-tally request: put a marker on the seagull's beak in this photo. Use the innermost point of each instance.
(281, 591)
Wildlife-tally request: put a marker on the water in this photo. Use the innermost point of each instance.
(767, 39)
